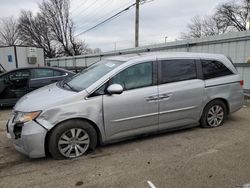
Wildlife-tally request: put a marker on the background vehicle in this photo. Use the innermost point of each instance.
(124, 97)
(16, 83)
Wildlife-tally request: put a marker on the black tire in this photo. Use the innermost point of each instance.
(60, 129)
(204, 118)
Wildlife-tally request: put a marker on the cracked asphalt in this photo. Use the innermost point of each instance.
(192, 158)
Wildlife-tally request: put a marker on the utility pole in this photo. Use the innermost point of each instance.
(166, 38)
(248, 23)
(137, 23)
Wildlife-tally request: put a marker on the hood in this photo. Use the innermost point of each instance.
(43, 98)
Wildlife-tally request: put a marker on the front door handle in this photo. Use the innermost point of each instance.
(152, 98)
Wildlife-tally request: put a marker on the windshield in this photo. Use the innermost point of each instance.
(90, 75)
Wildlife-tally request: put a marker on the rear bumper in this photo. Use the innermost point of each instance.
(30, 140)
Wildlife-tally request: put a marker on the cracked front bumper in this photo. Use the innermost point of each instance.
(28, 138)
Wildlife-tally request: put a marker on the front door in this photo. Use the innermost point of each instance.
(180, 93)
(14, 86)
(135, 111)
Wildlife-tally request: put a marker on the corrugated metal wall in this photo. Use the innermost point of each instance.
(236, 45)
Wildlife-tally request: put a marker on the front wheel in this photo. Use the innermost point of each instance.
(214, 114)
(72, 139)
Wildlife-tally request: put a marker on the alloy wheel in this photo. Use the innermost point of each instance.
(215, 116)
(73, 143)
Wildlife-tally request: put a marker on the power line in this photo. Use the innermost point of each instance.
(88, 7)
(107, 20)
(97, 10)
(104, 16)
(81, 4)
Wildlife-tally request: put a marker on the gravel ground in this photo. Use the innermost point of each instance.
(189, 158)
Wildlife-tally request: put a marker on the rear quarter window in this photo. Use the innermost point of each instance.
(42, 73)
(58, 73)
(213, 69)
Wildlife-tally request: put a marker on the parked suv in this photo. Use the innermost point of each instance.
(123, 97)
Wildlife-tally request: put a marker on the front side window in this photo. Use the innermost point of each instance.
(90, 75)
(136, 76)
(19, 75)
(18, 79)
(178, 70)
(42, 73)
(214, 69)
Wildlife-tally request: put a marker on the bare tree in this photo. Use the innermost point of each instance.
(194, 28)
(9, 32)
(56, 12)
(234, 13)
(97, 51)
(51, 28)
(204, 26)
(34, 30)
(229, 16)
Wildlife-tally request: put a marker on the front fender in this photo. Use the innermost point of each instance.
(90, 110)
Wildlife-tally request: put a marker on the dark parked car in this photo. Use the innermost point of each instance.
(16, 83)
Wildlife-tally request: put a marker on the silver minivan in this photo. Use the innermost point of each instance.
(123, 97)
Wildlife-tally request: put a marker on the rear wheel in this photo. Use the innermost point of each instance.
(72, 139)
(214, 114)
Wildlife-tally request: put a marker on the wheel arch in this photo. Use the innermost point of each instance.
(99, 135)
(225, 101)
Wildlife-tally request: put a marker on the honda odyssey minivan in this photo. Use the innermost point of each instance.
(123, 97)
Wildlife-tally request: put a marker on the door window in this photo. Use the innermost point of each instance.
(178, 70)
(214, 69)
(137, 76)
(42, 73)
(18, 79)
(19, 75)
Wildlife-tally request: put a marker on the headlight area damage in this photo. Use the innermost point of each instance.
(27, 134)
(23, 117)
(20, 118)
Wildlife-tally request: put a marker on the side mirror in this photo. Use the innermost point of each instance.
(115, 89)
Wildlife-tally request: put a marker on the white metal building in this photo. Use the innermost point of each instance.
(12, 57)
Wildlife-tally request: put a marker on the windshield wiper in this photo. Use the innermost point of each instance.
(69, 86)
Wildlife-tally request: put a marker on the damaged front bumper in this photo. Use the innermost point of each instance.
(28, 138)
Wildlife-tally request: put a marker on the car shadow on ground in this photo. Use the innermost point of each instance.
(101, 151)
(5, 108)
(106, 150)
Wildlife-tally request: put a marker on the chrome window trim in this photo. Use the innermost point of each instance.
(50, 77)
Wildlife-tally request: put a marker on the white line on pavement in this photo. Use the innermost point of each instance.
(151, 184)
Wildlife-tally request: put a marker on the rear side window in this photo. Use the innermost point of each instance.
(178, 70)
(214, 69)
(42, 73)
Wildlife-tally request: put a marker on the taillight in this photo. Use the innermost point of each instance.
(242, 83)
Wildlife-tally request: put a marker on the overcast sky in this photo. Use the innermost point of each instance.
(158, 19)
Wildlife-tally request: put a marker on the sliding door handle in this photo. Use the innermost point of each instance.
(165, 96)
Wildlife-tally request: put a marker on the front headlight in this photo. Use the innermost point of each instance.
(23, 117)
